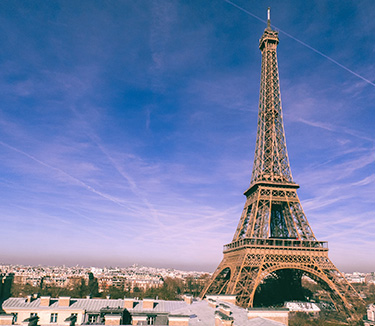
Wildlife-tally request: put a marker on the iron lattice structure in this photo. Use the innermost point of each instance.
(273, 232)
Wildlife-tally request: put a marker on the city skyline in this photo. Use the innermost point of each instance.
(128, 129)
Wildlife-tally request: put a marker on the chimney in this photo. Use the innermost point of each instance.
(178, 320)
(45, 301)
(108, 297)
(212, 303)
(6, 319)
(148, 303)
(225, 309)
(280, 315)
(64, 301)
(28, 298)
(128, 303)
(222, 319)
(188, 298)
(35, 296)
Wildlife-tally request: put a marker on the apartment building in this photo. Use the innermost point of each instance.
(218, 311)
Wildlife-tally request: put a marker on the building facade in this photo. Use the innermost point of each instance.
(369, 319)
(218, 311)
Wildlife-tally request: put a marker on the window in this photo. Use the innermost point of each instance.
(150, 320)
(53, 318)
(92, 319)
(15, 317)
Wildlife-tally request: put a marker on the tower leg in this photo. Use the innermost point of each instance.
(241, 272)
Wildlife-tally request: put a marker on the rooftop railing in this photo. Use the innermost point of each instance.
(277, 242)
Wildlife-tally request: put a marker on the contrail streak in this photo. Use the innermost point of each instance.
(303, 43)
(133, 186)
(89, 188)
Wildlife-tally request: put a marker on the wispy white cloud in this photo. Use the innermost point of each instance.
(366, 181)
(134, 132)
(336, 128)
(65, 174)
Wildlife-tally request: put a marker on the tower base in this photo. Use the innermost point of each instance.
(249, 261)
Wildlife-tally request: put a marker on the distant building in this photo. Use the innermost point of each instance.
(32, 311)
(306, 307)
(128, 279)
(369, 319)
(143, 282)
(370, 278)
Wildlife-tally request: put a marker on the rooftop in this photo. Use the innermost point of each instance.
(199, 312)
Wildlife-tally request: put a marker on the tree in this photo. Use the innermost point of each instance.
(93, 285)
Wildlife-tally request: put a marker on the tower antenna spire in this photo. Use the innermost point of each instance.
(269, 17)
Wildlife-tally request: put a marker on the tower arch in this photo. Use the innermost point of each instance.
(340, 302)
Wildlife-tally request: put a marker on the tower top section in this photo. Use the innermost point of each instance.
(269, 36)
(271, 162)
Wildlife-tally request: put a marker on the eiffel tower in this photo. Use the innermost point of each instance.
(273, 233)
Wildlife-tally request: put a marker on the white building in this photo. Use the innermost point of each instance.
(67, 311)
(306, 307)
(370, 320)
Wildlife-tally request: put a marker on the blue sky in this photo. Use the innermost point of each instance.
(127, 128)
